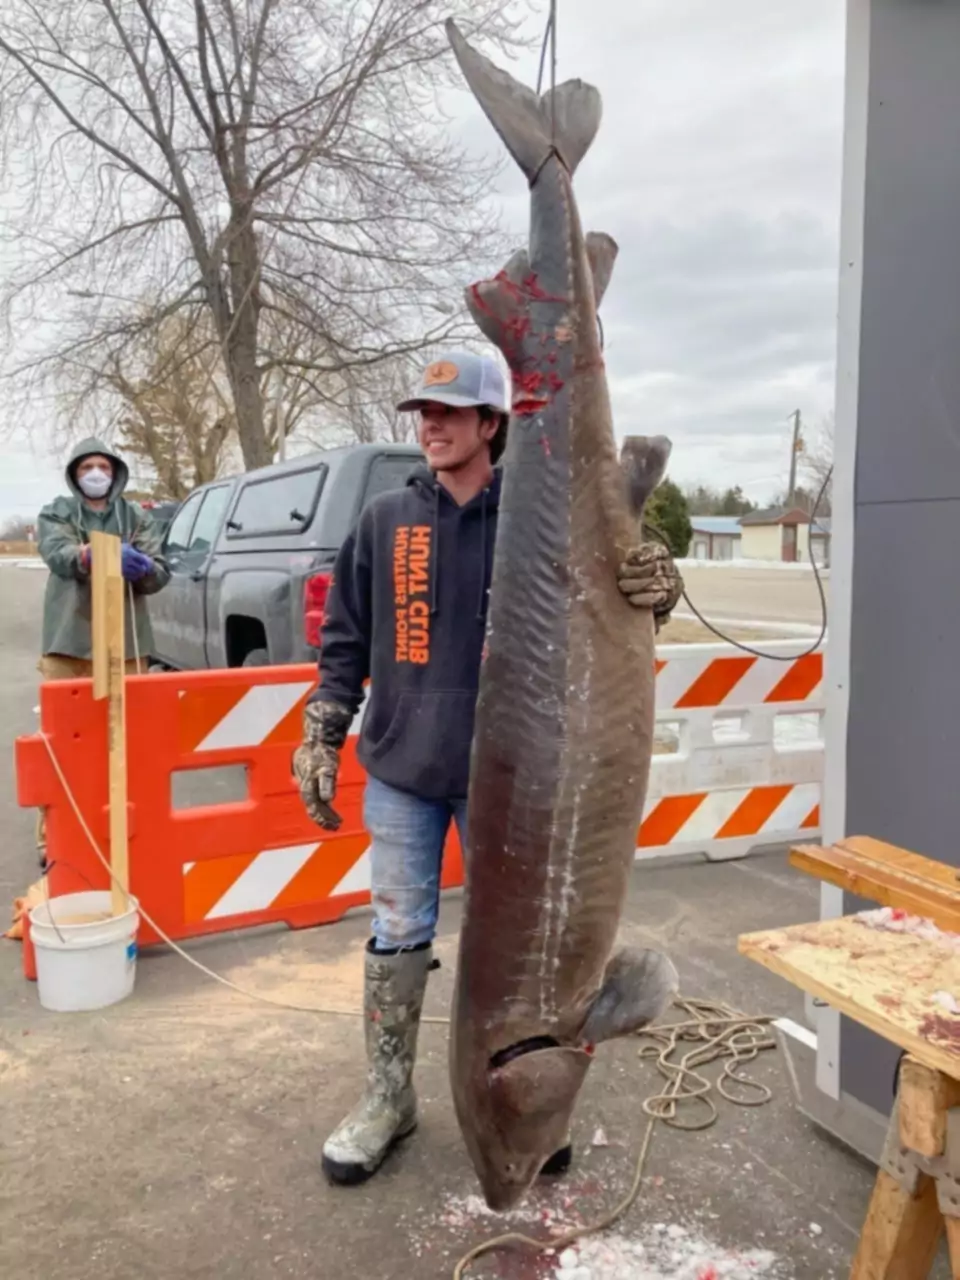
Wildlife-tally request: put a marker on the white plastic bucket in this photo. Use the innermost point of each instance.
(86, 957)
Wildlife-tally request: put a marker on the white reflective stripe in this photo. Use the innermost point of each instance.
(255, 716)
(676, 678)
(357, 879)
(794, 809)
(794, 1029)
(267, 875)
(717, 808)
(756, 682)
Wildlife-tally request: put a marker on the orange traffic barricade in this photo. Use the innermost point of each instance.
(234, 864)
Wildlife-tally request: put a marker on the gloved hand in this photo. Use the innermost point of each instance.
(134, 565)
(649, 579)
(317, 762)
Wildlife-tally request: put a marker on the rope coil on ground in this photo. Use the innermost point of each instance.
(719, 1033)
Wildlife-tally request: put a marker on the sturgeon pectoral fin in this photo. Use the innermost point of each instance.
(644, 461)
(517, 267)
(602, 253)
(565, 120)
(500, 310)
(637, 987)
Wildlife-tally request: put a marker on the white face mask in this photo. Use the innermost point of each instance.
(96, 483)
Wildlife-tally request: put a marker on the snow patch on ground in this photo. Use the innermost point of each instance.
(658, 1251)
(663, 1252)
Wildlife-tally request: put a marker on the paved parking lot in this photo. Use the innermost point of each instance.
(178, 1134)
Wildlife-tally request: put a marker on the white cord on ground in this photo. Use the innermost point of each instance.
(165, 937)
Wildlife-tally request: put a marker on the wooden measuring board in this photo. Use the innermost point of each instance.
(887, 981)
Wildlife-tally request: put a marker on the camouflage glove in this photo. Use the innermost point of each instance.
(649, 579)
(317, 762)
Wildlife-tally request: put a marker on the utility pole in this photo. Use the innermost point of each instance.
(795, 447)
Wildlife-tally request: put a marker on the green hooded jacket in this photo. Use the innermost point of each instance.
(63, 528)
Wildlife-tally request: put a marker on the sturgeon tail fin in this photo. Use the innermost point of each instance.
(565, 120)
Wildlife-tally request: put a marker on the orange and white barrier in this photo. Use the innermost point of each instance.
(748, 760)
(729, 785)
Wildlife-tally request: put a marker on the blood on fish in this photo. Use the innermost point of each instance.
(546, 445)
(518, 327)
(533, 288)
(529, 382)
(511, 286)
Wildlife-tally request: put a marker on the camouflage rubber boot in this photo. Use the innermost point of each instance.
(394, 987)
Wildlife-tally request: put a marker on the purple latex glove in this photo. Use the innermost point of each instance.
(133, 563)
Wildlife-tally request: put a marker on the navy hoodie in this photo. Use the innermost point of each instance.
(407, 609)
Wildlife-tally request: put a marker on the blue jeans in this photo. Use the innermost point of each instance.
(406, 854)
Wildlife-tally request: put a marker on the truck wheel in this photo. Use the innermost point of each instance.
(257, 658)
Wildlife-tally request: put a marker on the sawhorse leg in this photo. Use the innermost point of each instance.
(917, 1193)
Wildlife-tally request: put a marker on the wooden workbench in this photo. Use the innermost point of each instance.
(887, 981)
(903, 985)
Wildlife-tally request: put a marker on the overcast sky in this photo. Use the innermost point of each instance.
(717, 169)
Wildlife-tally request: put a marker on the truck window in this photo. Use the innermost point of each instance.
(208, 521)
(388, 472)
(279, 504)
(178, 536)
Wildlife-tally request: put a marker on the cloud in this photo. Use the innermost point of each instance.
(717, 170)
(28, 479)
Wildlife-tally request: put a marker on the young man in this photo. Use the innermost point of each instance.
(408, 610)
(96, 479)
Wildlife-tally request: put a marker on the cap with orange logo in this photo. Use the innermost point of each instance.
(461, 379)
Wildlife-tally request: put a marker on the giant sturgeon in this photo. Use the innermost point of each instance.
(565, 713)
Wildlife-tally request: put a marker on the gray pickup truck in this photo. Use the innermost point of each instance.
(251, 557)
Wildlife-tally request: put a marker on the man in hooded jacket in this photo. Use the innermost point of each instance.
(407, 610)
(96, 478)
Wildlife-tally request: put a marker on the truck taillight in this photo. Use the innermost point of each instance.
(315, 593)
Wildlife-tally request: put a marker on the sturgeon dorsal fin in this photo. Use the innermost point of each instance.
(565, 119)
(602, 254)
(643, 460)
(499, 306)
(637, 987)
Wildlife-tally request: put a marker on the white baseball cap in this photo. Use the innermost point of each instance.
(461, 379)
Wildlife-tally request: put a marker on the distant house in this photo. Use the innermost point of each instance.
(715, 538)
(784, 534)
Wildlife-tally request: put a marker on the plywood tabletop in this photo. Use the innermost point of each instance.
(897, 984)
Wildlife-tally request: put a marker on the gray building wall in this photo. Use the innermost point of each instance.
(903, 726)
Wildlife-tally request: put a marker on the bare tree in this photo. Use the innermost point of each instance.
(17, 529)
(262, 159)
(364, 406)
(177, 416)
(816, 459)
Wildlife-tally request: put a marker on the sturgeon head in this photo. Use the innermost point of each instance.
(515, 1106)
(564, 723)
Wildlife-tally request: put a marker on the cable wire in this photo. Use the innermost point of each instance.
(739, 644)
